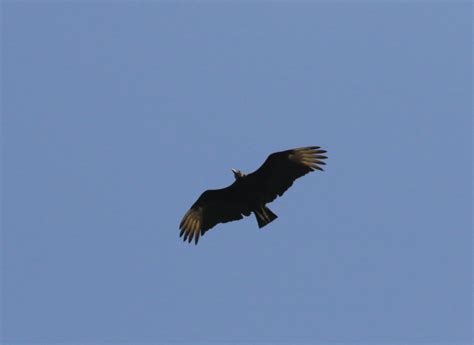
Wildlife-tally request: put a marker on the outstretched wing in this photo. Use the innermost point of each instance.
(211, 208)
(281, 169)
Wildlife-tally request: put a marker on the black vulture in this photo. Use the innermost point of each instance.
(249, 193)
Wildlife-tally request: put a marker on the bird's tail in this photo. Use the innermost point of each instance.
(264, 216)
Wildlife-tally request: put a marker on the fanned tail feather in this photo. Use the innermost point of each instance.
(264, 216)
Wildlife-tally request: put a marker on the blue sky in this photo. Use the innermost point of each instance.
(117, 115)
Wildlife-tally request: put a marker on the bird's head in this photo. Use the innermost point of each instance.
(238, 174)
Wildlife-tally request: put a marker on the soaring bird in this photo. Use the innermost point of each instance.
(250, 193)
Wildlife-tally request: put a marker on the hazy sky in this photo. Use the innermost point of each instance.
(118, 114)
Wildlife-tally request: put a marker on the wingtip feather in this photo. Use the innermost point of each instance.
(191, 226)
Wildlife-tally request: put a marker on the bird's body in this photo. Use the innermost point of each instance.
(250, 193)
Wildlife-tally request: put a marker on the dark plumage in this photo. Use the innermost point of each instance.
(250, 193)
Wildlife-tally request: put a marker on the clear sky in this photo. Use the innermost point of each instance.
(118, 114)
